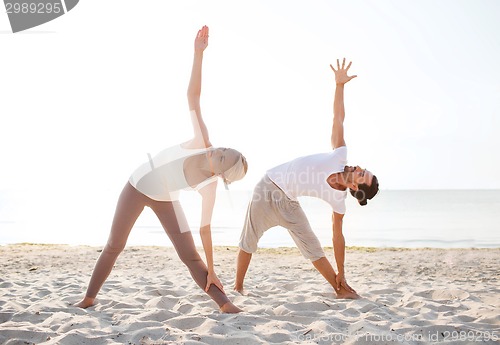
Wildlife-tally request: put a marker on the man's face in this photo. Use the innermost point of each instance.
(358, 175)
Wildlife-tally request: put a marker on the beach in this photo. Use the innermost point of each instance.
(409, 296)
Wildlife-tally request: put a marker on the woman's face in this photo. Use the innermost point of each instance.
(221, 159)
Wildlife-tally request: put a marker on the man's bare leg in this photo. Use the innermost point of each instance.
(325, 268)
(242, 264)
(85, 302)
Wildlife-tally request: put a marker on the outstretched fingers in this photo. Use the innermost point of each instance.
(343, 65)
(341, 76)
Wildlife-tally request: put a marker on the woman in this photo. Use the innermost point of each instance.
(193, 165)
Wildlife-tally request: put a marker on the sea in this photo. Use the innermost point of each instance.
(395, 218)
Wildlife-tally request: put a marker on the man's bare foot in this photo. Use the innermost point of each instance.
(240, 290)
(85, 303)
(343, 293)
(348, 295)
(230, 308)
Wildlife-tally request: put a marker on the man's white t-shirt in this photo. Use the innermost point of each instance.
(307, 176)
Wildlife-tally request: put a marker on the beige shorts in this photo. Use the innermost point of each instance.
(270, 207)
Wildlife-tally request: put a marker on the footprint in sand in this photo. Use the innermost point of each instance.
(414, 304)
(164, 302)
(444, 294)
(351, 312)
(183, 308)
(189, 322)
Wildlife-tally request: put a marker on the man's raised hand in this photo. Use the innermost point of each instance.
(341, 76)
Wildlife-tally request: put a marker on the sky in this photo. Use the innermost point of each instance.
(85, 98)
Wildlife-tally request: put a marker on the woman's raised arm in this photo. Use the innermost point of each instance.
(201, 138)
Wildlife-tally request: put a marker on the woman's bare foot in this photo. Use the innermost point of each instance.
(85, 303)
(230, 308)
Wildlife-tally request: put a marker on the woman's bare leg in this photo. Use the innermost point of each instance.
(129, 207)
(175, 225)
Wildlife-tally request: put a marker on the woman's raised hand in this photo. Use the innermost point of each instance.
(201, 40)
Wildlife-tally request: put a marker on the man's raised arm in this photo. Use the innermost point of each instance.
(341, 78)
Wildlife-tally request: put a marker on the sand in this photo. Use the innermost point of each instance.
(417, 296)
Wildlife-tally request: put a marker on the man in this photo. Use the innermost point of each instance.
(325, 176)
